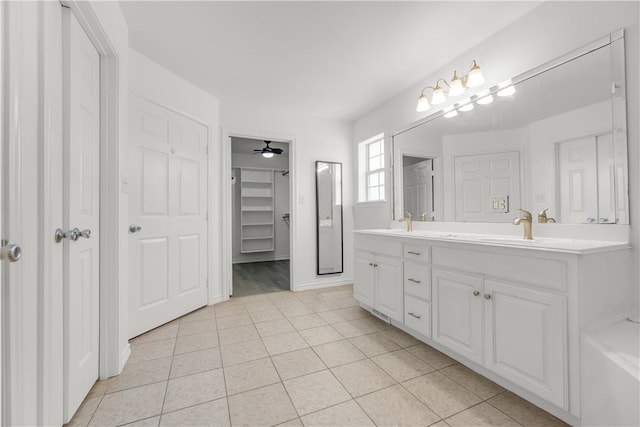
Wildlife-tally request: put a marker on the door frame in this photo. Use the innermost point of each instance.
(227, 207)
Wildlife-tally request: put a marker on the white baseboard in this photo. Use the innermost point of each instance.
(216, 299)
(308, 286)
(247, 261)
(124, 357)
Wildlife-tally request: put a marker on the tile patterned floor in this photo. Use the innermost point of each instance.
(311, 358)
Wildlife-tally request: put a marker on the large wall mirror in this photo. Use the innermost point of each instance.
(552, 139)
(329, 217)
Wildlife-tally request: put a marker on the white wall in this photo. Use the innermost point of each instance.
(549, 31)
(314, 139)
(155, 83)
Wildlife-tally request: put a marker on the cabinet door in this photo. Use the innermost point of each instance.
(389, 293)
(525, 337)
(364, 279)
(457, 313)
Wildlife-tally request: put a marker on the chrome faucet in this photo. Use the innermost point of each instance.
(526, 219)
(542, 217)
(409, 221)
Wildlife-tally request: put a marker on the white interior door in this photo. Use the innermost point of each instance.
(577, 169)
(417, 189)
(167, 200)
(81, 194)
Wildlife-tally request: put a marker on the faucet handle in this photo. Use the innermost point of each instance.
(543, 212)
(409, 215)
(526, 214)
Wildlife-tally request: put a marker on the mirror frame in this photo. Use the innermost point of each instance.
(318, 273)
(619, 114)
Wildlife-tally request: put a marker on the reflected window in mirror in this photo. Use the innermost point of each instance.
(329, 217)
(371, 161)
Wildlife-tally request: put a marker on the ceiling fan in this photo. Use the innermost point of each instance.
(267, 151)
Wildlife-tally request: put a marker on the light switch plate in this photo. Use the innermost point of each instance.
(500, 204)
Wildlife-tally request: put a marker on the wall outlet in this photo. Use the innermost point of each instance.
(301, 199)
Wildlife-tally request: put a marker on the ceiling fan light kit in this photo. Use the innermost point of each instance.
(268, 152)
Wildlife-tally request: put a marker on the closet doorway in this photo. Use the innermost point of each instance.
(261, 216)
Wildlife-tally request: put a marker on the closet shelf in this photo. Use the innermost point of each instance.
(256, 204)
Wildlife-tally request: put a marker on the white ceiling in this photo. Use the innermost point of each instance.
(334, 60)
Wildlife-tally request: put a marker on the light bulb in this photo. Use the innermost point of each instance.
(506, 88)
(467, 105)
(456, 87)
(267, 154)
(475, 77)
(450, 112)
(438, 96)
(485, 100)
(423, 104)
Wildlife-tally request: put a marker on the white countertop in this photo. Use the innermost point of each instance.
(576, 246)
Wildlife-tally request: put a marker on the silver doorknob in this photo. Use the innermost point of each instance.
(487, 296)
(476, 293)
(10, 253)
(85, 233)
(71, 234)
(134, 228)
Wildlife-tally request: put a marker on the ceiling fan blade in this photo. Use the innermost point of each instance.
(277, 150)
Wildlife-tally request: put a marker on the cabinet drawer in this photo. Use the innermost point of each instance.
(378, 244)
(417, 280)
(417, 315)
(417, 252)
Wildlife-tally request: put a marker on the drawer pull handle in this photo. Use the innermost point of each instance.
(375, 265)
(476, 293)
(487, 296)
(414, 280)
(414, 315)
(413, 253)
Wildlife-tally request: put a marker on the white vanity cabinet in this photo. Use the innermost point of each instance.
(378, 275)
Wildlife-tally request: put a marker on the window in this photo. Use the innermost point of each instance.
(371, 161)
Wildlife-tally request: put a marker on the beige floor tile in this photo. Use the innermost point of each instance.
(338, 353)
(524, 412)
(264, 406)
(241, 352)
(344, 302)
(321, 306)
(239, 334)
(472, 381)
(274, 327)
(481, 415)
(431, 356)
(147, 422)
(142, 373)
(354, 328)
(196, 342)
(362, 377)
(297, 363)
(345, 415)
(402, 365)
(262, 305)
(169, 330)
(229, 310)
(253, 299)
(284, 343)
(212, 414)
(395, 406)
(195, 361)
(101, 387)
(197, 315)
(292, 310)
(152, 350)
(233, 321)
(85, 412)
(250, 375)
(399, 337)
(354, 313)
(194, 389)
(292, 423)
(266, 315)
(307, 321)
(320, 335)
(374, 344)
(130, 405)
(441, 423)
(316, 391)
(440, 394)
(196, 327)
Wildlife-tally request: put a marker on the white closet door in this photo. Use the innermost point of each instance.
(167, 199)
(81, 193)
(577, 168)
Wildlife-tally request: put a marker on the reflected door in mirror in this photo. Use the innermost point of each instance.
(418, 189)
(329, 217)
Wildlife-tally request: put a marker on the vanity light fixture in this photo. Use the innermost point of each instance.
(506, 88)
(457, 87)
(466, 105)
(450, 112)
(485, 97)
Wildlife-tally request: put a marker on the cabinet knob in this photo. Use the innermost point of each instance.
(487, 296)
(476, 293)
(370, 264)
(375, 265)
